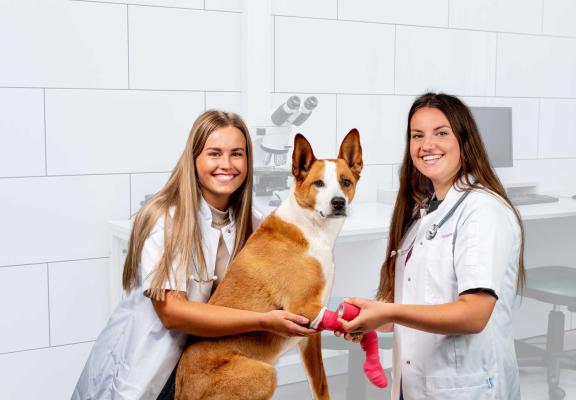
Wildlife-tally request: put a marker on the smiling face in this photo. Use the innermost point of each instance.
(222, 166)
(434, 148)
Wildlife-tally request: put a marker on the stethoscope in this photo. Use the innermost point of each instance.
(433, 230)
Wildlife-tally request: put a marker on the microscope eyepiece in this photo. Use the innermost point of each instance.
(285, 110)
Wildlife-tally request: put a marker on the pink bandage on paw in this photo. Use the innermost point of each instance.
(330, 322)
(369, 343)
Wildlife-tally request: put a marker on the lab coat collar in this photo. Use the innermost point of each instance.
(206, 213)
(452, 196)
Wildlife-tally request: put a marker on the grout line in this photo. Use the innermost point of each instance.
(48, 284)
(47, 347)
(448, 22)
(94, 174)
(337, 127)
(54, 261)
(496, 64)
(45, 139)
(338, 9)
(128, 42)
(274, 33)
(429, 26)
(538, 131)
(542, 19)
(121, 89)
(395, 58)
(158, 6)
(130, 192)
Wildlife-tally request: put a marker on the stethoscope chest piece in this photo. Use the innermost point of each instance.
(431, 233)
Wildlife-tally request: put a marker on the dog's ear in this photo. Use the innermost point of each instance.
(351, 152)
(302, 157)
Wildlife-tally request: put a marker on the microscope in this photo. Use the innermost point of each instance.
(272, 170)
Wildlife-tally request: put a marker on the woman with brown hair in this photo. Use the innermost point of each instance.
(181, 243)
(453, 266)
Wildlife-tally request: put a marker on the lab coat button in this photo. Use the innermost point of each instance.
(421, 243)
(409, 279)
(408, 362)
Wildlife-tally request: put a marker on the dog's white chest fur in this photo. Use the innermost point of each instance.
(320, 233)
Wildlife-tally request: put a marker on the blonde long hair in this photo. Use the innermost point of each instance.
(182, 234)
(416, 189)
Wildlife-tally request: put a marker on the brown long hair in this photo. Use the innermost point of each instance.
(416, 189)
(182, 234)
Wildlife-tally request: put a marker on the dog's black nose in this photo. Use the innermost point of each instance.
(338, 203)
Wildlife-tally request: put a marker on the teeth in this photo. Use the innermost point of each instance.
(224, 178)
(430, 158)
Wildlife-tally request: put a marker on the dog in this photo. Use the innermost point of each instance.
(286, 264)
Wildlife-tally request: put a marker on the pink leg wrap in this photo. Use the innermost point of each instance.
(369, 343)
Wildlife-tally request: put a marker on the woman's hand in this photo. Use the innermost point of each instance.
(285, 323)
(373, 314)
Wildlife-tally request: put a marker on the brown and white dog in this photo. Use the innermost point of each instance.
(286, 264)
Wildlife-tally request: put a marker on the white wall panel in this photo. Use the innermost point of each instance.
(521, 16)
(408, 12)
(78, 294)
(319, 128)
(42, 374)
(381, 121)
(559, 17)
(198, 4)
(24, 296)
(224, 5)
(63, 44)
(557, 128)
(91, 132)
(226, 101)
(536, 66)
(373, 178)
(452, 61)
(21, 132)
(552, 176)
(143, 185)
(524, 122)
(306, 8)
(59, 218)
(321, 56)
(184, 49)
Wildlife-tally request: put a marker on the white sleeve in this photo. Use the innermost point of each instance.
(151, 253)
(484, 247)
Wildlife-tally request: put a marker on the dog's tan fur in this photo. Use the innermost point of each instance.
(273, 271)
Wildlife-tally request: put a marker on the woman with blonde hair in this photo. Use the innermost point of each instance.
(180, 246)
(453, 265)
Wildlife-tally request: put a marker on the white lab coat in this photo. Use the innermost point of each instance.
(478, 247)
(134, 355)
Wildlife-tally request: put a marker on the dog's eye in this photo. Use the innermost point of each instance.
(346, 182)
(319, 183)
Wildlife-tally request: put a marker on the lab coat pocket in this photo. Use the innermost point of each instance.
(471, 386)
(440, 279)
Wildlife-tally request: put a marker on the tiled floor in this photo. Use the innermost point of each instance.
(533, 387)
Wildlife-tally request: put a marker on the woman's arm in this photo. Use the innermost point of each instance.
(179, 314)
(468, 314)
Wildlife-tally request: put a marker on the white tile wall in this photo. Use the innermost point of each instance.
(198, 4)
(321, 56)
(142, 185)
(557, 128)
(373, 177)
(78, 294)
(381, 121)
(42, 374)
(24, 295)
(410, 12)
(224, 5)
(59, 218)
(305, 8)
(94, 132)
(452, 61)
(536, 66)
(559, 16)
(521, 16)
(22, 132)
(227, 101)
(319, 128)
(62, 44)
(184, 49)
(524, 122)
